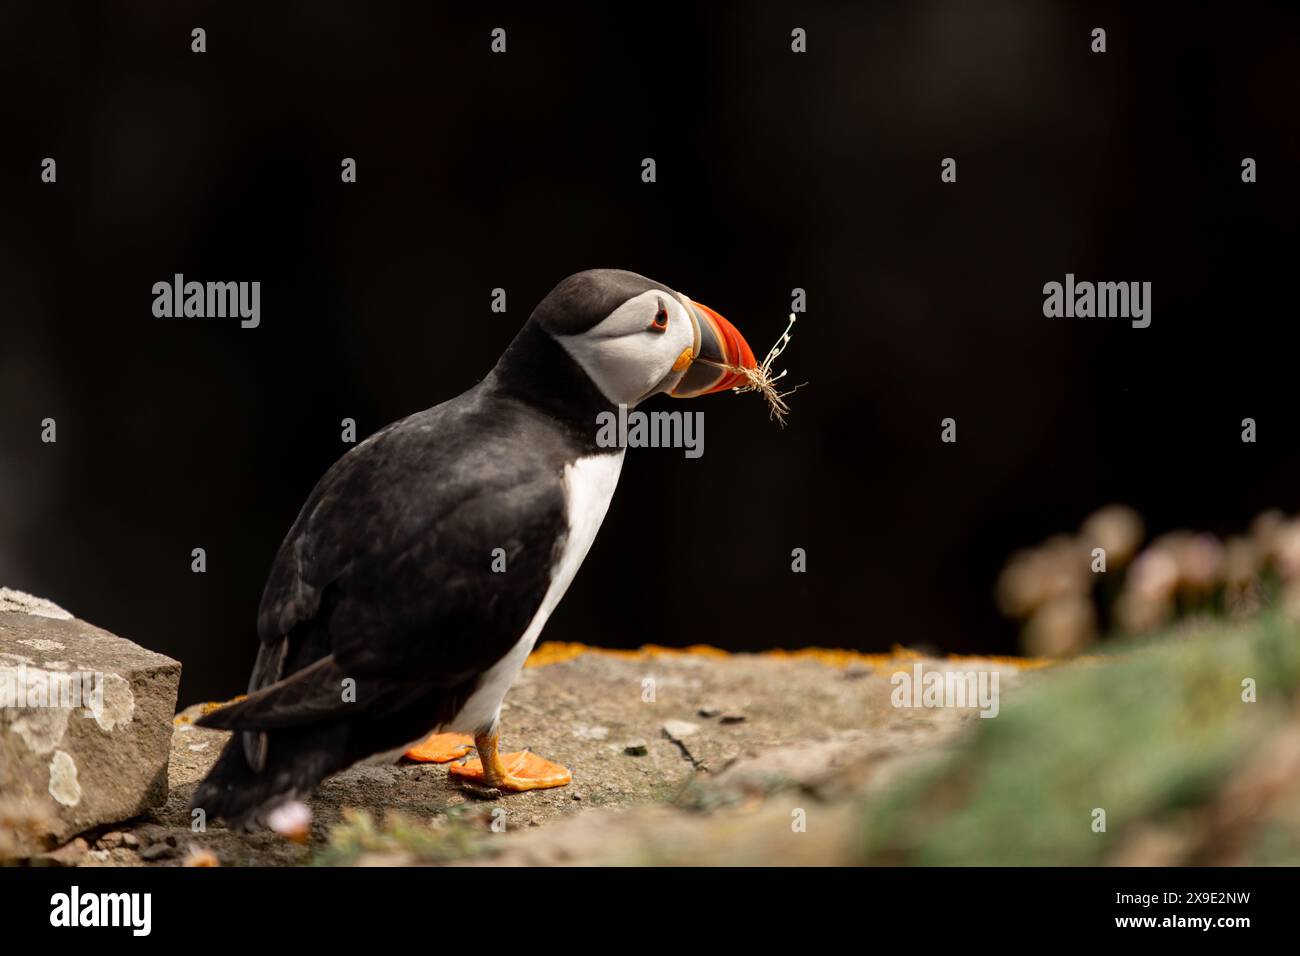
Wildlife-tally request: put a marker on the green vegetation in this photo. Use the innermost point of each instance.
(1157, 735)
(451, 836)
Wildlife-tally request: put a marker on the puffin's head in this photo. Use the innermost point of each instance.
(635, 338)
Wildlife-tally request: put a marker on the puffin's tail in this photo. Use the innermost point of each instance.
(296, 761)
(287, 738)
(292, 735)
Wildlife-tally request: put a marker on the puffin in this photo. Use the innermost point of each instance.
(426, 562)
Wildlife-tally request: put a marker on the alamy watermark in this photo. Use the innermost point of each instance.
(1098, 300)
(921, 688)
(651, 430)
(208, 300)
(21, 686)
(133, 911)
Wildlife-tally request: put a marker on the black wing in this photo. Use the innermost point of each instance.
(387, 576)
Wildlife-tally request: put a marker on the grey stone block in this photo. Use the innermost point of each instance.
(85, 725)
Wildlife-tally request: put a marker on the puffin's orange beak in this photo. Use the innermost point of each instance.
(720, 344)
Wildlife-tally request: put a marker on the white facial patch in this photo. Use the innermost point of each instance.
(628, 360)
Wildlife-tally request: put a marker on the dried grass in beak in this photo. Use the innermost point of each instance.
(762, 380)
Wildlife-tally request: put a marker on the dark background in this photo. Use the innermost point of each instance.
(775, 170)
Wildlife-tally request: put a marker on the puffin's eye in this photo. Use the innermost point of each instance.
(660, 323)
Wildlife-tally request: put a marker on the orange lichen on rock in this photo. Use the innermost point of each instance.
(1024, 663)
(206, 708)
(555, 652)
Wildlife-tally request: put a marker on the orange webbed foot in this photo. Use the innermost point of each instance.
(441, 748)
(516, 772)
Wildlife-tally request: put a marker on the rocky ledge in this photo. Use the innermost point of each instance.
(85, 726)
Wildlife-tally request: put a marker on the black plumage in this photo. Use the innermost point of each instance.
(385, 578)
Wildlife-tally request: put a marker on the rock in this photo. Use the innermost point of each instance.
(70, 854)
(809, 766)
(677, 729)
(111, 840)
(709, 711)
(85, 725)
(789, 706)
(732, 719)
(18, 602)
(636, 748)
(159, 851)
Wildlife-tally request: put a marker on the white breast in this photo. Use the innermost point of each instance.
(589, 485)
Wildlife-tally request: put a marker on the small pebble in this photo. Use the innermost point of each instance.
(158, 851)
(677, 729)
(111, 840)
(70, 854)
(709, 711)
(732, 719)
(129, 839)
(635, 748)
